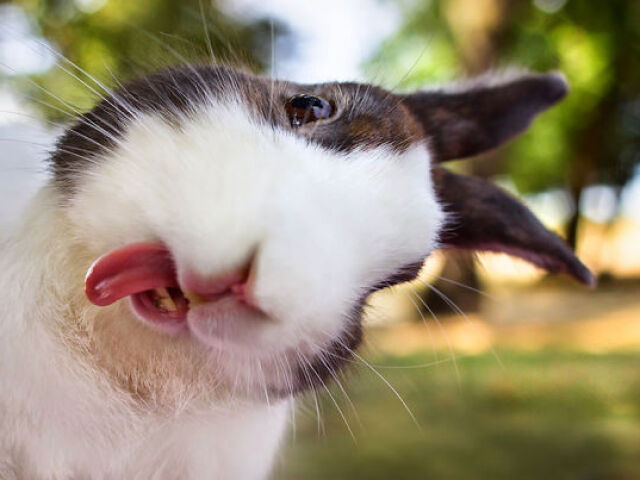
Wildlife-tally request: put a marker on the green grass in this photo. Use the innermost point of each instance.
(548, 415)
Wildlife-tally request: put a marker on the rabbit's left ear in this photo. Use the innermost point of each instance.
(482, 216)
(467, 121)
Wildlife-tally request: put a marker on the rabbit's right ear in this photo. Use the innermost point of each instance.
(464, 122)
(482, 216)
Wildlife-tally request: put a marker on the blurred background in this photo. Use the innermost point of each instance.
(484, 367)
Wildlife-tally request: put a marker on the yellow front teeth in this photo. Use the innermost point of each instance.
(193, 298)
(163, 300)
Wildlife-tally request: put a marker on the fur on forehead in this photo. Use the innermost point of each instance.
(365, 116)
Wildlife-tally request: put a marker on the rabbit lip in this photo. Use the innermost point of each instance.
(165, 308)
(147, 274)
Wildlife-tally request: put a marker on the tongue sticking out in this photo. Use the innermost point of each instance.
(130, 270)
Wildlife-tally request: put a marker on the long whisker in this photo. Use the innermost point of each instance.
(28, 142)
(413, 65)
(467, 287)
(341, 387)
(426, 324)
(52, 124)
(272, 68)
(444, 334)
(415, 366)
(221, 37)
(264, 382)
(206, 32)
(458, 310)
(315, 395)
(170, 49)
(71, 107)
(333, 400)
(387, 383)
(127, 109)
(59, 126)
(424, 321)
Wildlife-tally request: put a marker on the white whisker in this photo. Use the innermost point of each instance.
(444, 334)
(388, 384)
(331, 397)
(458, 310)
(206, 32)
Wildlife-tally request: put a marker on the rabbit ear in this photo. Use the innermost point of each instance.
(483, 115)
(484, 217)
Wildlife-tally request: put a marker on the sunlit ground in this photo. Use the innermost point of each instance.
(544, 415)
(553, 399)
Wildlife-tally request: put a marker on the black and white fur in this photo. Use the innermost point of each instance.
(206, 161)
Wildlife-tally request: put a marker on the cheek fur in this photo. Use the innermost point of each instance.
(324, 227)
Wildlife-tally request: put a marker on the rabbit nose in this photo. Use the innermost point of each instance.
(215, 285)
(208, 288)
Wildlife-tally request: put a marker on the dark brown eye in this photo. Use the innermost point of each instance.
(305, 108)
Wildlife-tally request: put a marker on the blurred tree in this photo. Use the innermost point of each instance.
(117, 39)
(592, 137)
(587, 139)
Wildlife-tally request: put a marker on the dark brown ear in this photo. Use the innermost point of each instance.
(481, 216)
(469, 121)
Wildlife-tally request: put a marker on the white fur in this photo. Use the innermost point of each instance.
(92, 392)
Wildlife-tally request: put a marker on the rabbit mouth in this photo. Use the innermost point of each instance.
(147, 274)
(223, 316)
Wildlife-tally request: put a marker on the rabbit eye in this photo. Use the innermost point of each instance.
(305, 108)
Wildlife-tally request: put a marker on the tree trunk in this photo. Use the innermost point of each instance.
(477, 38)
(448, 295)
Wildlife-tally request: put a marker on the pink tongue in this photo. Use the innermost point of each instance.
(132, 269)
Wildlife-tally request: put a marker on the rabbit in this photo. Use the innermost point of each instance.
(205, 245)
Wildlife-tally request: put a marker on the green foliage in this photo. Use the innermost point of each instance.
(119, 39)
(595, 45)
(421, 52)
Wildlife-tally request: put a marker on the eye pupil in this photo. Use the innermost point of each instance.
(305, 108)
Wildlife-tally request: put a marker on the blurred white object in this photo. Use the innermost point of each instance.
(24, 148)
(22, 51)
(331, 38)
(24, 142)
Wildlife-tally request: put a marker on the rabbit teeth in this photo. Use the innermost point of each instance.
(174, 300)
(163, 300)
(193, 298)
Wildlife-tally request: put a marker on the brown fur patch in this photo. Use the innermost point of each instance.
(365, 117)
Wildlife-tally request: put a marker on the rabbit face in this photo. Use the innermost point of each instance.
(236, 228)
